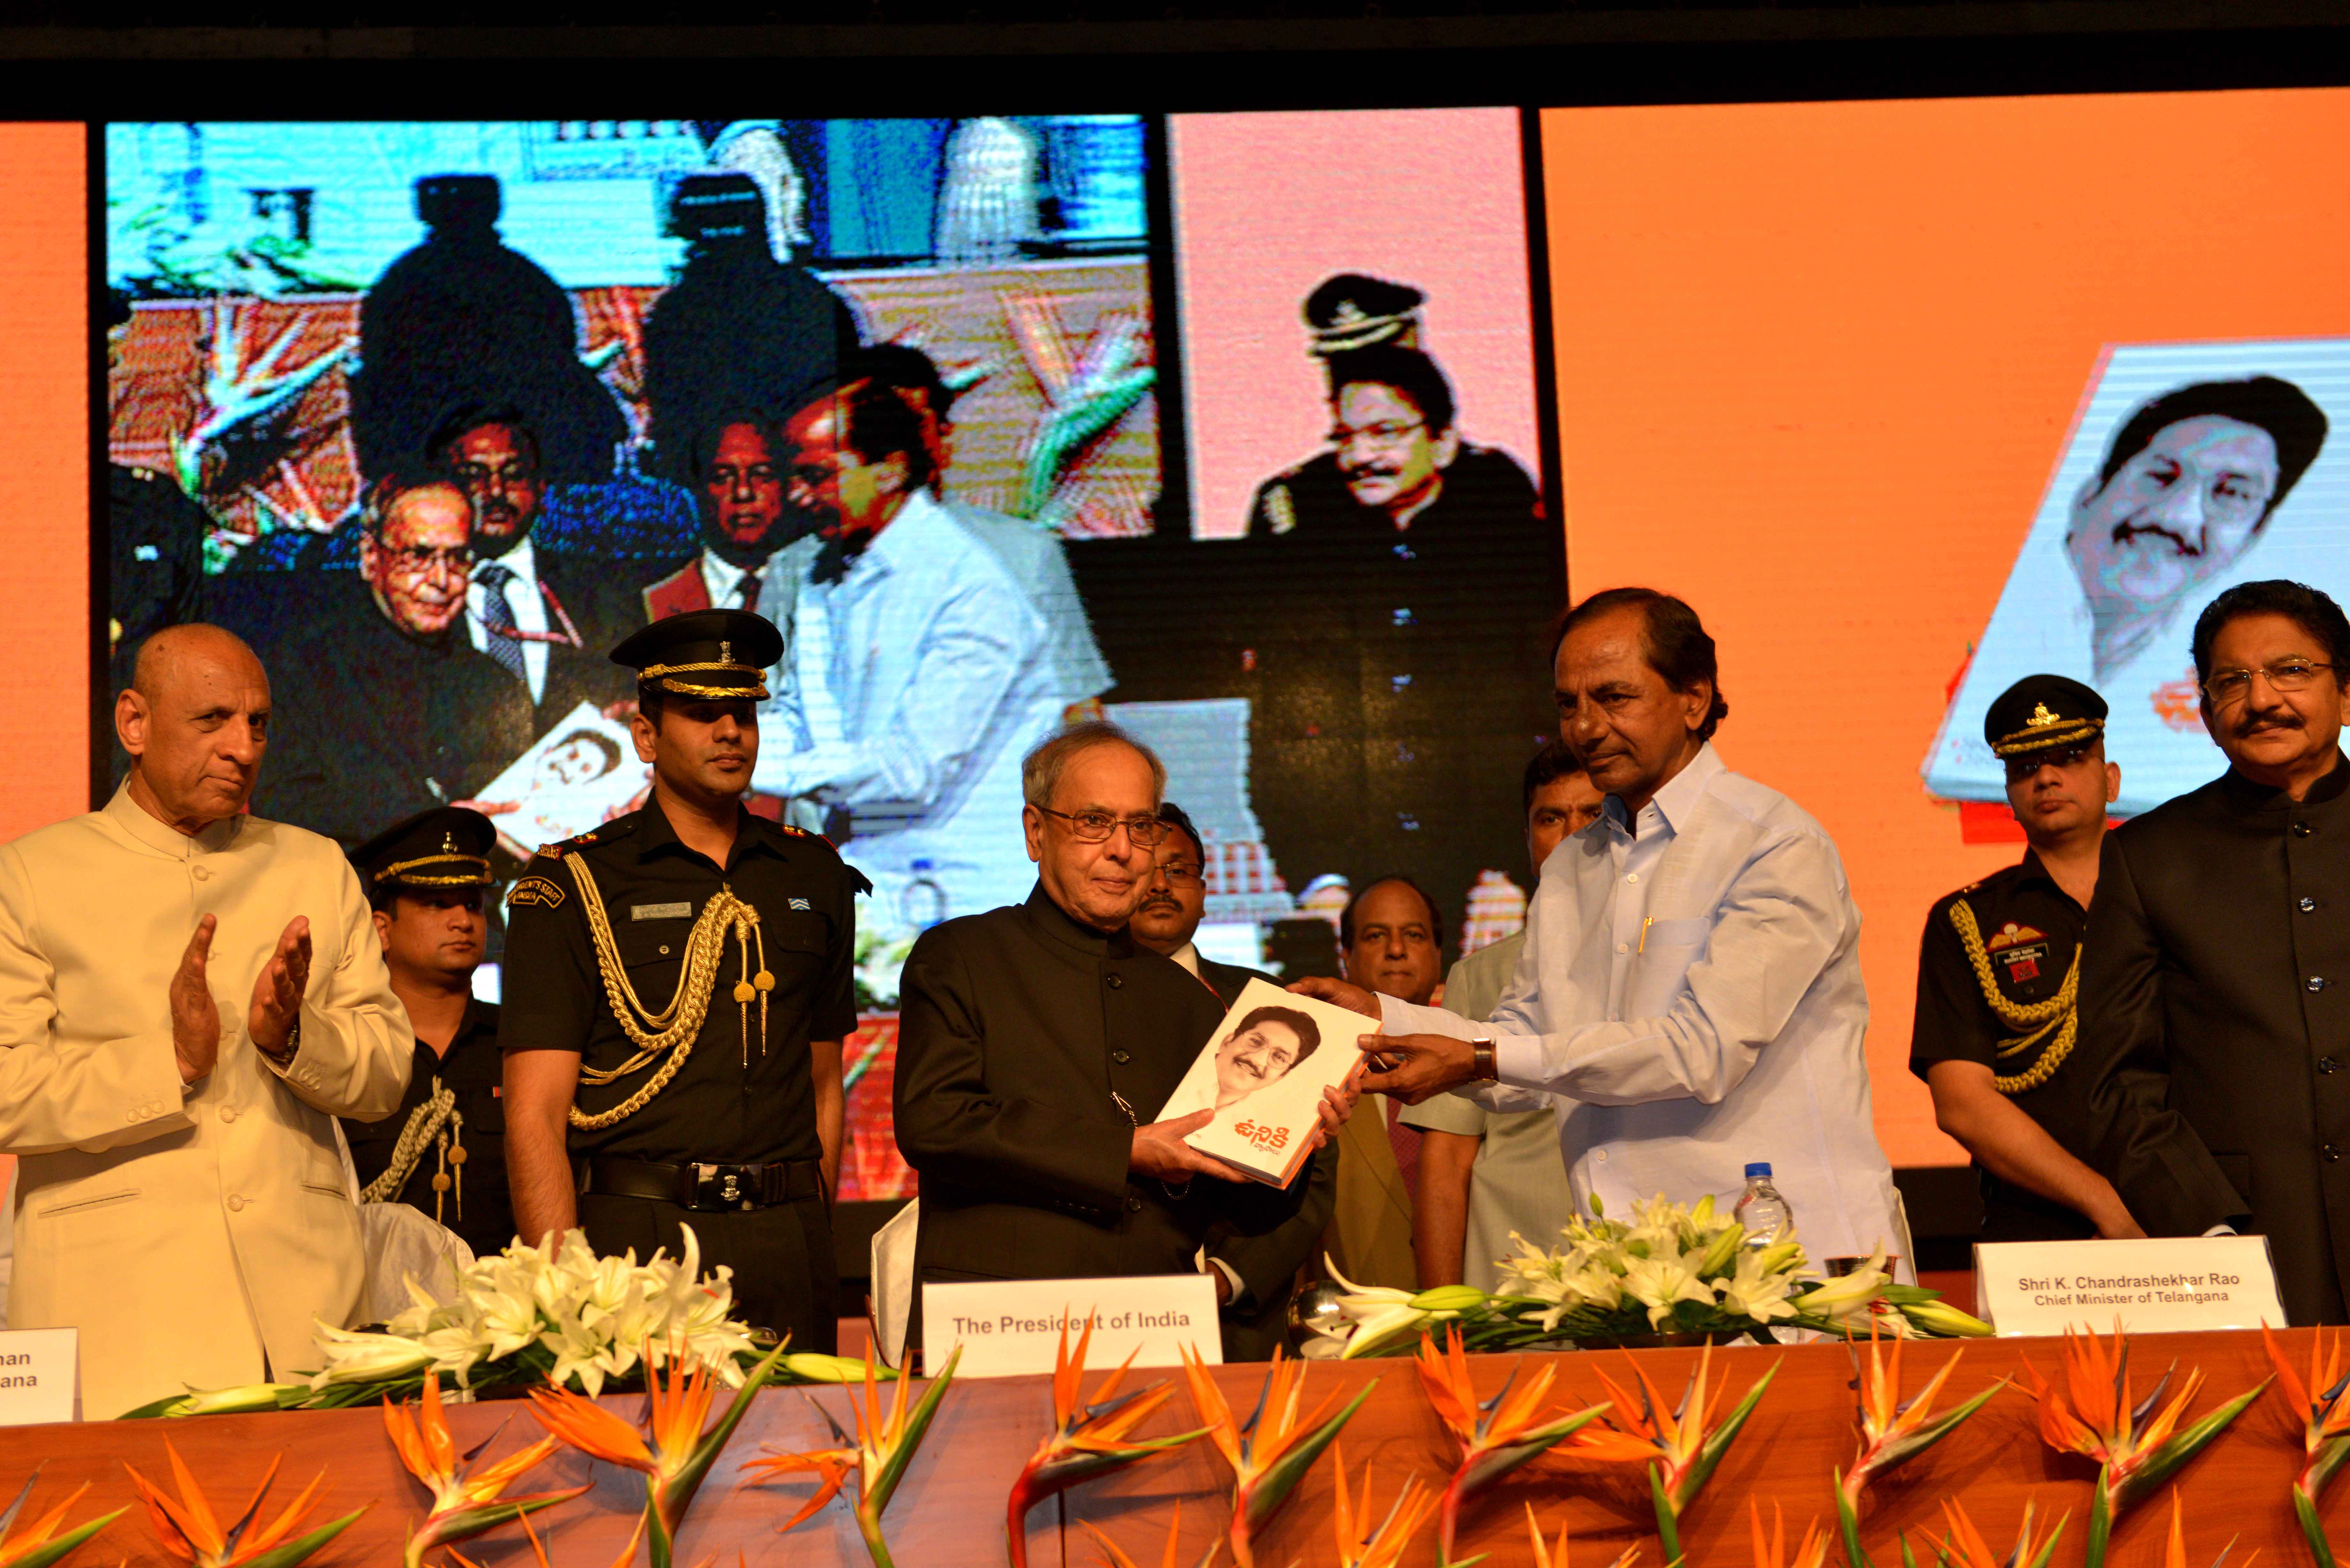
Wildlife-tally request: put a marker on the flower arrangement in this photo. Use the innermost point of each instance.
(40, 1545)
(2135, 1446)
(1088, 1436)
(1669, 1269)
(1496, 1435)
(875, 1458)
(467, 1501)
(2319, 1408)
(675, 1449)
(1681, 1447)
(1271, 1451)
(189, 1529)
(1894, 1431)
(551, 1316)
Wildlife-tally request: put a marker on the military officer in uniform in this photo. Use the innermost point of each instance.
(444, 1151)
(688, 970)
(1998, 973)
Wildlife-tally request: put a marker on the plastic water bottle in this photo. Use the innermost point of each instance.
(1765, 1214)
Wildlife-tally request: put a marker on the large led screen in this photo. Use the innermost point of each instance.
(435, 414)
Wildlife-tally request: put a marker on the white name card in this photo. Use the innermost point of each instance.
(2162, 1283)
(37, 1372)
(1011, 1328)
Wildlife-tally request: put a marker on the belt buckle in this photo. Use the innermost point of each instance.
(730, 1185)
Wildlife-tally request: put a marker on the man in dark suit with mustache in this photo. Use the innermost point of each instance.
(2215, 978)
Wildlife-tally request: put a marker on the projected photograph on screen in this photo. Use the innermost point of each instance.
(1367, 566)
(436, 414)
(2192, 468)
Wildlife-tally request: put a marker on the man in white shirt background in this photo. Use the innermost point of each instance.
(923, 667)
(1689, 998)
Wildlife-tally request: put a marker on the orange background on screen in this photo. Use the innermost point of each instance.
(1816, 365)
(45, 451)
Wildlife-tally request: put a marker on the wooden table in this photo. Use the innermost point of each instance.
(949, 1511)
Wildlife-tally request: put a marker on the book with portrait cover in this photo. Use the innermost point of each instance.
(1262, 1073)
(578, 775)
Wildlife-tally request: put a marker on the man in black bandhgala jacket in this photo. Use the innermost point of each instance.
(1037, 1042)
(2215, 980)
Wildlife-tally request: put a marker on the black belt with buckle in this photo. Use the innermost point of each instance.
(701, 1187)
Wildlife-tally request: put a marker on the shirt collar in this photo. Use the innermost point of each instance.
(1187, 955)
(1678, 796)
(903, 538)
(721, 577)
(1062, 926)
(655, 835)
(2248, 795)
(161, 836)
(522, 561)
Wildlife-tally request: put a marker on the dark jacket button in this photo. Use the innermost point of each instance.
(1117, 981)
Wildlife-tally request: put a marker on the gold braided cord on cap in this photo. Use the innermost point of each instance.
(424, 1125)
(674, 1028)
(480, 878)
(2046, 737)
(653, 671)
(715, 693)
(2058, 1013)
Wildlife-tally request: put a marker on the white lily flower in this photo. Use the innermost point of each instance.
(1756, 1289)
(1848, 1297)
(1658, 1282)
(355, 1357)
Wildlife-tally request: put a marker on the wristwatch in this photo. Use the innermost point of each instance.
(1482, 1067)
(293, 1043)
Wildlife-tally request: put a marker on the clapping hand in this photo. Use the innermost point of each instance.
(277, 993)
(195, 1017)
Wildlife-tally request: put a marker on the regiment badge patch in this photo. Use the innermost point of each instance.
(535, 890)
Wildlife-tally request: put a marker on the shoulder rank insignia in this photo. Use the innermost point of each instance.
(536, 890)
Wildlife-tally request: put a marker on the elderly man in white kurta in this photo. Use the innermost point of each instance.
(1689, 997)
(188, 997)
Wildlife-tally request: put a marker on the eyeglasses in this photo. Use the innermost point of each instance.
(1182, 874)
(2229, 686)
(423, 558)
(1389, 434)
(1096, 827)
(2023, 767)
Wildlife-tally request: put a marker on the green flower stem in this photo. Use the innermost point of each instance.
(869, 1525)
(2304, 1508)
(2101, 1521)
(1669, 1524)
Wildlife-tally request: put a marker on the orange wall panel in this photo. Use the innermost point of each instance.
(1816, 365)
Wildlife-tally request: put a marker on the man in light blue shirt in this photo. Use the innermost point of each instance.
(923, 669)
(1689, 995)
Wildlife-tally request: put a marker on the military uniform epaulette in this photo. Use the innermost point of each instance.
(864, 883)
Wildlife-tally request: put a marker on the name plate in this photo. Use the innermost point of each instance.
(37, 1372)
(2162, 1285)
(1011, 1328)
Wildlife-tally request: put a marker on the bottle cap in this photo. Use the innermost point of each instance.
(1758, 1167)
